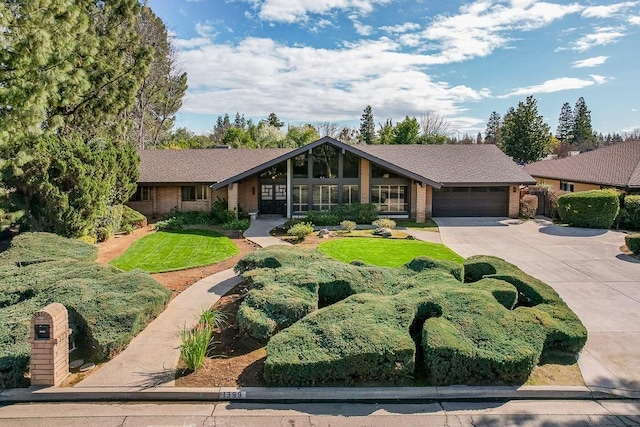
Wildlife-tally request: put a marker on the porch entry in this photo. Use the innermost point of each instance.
(273, 199)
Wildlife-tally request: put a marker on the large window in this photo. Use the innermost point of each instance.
(350, 194)
(324, 197)
(301, 166)
(325, 161)
(192, 193)
(143, 194)
(380, 172)
(350, 165)
(300, 198)
(390, 198)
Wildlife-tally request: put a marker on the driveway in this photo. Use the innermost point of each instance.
(587, 269)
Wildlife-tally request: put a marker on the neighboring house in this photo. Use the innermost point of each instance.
(416, 181)
(614, 166)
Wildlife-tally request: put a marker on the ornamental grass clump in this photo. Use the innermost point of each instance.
(384, 223)
(195, 344)
(348, 226)
(300, 230)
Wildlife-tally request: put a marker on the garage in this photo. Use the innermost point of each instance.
(471, 201)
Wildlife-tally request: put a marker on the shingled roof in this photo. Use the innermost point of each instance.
(201, 165)
(434, 165)
(615, 165)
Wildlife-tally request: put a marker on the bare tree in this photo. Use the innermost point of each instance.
(433, 124)
(328, 129)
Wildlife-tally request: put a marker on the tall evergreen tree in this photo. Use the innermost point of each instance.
(582, 130)
(525, 135)
(367, 127)
(492, 134)
(274, 121)
(564, 131)
(160, 95)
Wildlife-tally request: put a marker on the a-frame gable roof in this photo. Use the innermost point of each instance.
(339, 144)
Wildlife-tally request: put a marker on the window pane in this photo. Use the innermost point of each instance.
(350, 166)
(380, 172)
(277, 171)
(325, 162)
(299, 198)
(324, 197)
(266, 192)
(390, 198)
(281, 192)
(350, 194)
(300, 166)
(188, 193)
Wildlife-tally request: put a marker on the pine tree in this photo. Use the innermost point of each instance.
(525, 135)
(564, 131)
(367, 127)
(582, 130)
(274, 121)
(492, 132)
(160, 95)
(385, 133)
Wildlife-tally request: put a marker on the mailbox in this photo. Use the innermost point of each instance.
(41, 332)
(49, 339)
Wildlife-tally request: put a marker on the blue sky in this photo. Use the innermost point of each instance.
(313, 61)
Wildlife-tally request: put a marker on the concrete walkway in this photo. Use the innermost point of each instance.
(150, 360)
(587, 269)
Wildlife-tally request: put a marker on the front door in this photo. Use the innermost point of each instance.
(273, 198)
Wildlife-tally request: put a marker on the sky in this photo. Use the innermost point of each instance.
(314, 61)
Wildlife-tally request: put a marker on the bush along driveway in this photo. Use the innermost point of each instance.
(587, 269)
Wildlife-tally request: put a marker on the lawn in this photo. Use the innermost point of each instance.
(176, 250)
(385, 252)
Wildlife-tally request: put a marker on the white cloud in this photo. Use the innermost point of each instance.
(634, 20)
(290, 11)
(607, 11)
(362, 29)
(590, 62)
(260, 74)
(556, 85)
(401, 28)
(599, 79)
(485, 25)
(601, 37)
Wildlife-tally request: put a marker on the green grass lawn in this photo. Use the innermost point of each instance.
(428, 225)
(385, 252)
(176, 250)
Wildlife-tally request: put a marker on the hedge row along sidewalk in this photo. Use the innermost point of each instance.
(381, 321)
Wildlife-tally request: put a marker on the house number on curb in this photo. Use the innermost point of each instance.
(232, 395)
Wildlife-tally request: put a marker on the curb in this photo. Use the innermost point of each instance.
(311, 394)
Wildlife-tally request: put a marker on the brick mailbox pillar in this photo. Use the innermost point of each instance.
(49, 339)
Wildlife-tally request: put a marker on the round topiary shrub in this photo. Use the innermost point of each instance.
(301, 230)
(347, 225)
(591, 209)
(384, 223)
(633, 243)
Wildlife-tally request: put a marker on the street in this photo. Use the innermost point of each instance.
(547, 413)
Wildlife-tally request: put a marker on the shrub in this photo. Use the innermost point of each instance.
(195, 344)
(593, 209)
(301, 230)
(629, 216)
(107, 307)
(132, 218)
(347, 225)
(384, 223)
(468, 333)
(109, 222)
(564, 331)
(171, 223)
(528, 206)
(360, 213)
(553, 195)
(237, 224)
(30, 248)
(633, 243)
(426, 263)
(322, 218)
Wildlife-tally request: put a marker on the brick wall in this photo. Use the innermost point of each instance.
(421, 202)
(365, 186)
(167, 199)
(248, 194)
(514, 202)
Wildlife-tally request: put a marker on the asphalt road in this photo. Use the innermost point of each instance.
(451, 414)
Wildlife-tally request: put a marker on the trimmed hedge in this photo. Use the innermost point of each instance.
(379, 317)
(132, 218)
(564, 331)
(629, 216)
(633, 243)
(107, 307)
(30, 248)
(591, 209)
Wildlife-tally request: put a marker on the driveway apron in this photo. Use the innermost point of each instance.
(586, 267)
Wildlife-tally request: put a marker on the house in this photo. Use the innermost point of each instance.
(403, 181)
(614, 166)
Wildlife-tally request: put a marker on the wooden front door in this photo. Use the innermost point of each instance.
(273, 199)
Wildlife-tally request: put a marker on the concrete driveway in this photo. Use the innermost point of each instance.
(587, 269)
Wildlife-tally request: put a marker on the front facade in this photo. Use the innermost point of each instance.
(401, 181)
